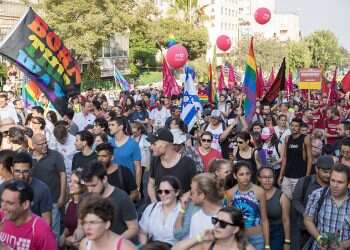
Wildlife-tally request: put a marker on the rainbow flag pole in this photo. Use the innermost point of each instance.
(249, 84)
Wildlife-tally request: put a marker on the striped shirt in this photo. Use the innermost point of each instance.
(331, 218)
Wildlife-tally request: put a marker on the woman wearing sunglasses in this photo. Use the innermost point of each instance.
(228, 233)
(251, 200)
(245, 151)
(158, 219)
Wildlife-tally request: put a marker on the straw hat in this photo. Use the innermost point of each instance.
(6, 124)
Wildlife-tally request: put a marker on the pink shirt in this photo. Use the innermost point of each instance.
(33, 235)
(213, 154)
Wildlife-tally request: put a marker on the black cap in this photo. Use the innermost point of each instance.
(161, 134)
(325, 162)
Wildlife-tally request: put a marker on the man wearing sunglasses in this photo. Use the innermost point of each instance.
(21, 229)
(205, 150)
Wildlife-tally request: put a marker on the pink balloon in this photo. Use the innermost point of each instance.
(223, 42)
(177, 56)
(262, 15)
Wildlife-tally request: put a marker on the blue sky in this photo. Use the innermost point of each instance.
(321, 14)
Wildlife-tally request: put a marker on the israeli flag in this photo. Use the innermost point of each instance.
(191, 106)
(119, 78)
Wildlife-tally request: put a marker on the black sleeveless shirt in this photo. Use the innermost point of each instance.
(295, 165)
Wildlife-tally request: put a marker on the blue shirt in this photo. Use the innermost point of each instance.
(126, 154)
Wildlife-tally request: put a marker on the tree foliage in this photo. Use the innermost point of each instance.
(324, 49)
(3, 71)
(298, 56)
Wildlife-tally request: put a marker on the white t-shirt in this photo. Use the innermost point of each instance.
(154, 222)
(215, 144)
(159, 117)
(200, 222)
(82, 121)
(9, 111)
(282, 134)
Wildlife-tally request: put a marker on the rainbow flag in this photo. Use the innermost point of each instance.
(250, 84)
(203, 98)
(31, 94)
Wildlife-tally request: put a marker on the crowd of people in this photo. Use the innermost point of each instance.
(122, 171)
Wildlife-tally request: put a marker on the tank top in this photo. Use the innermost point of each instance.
(118, 244)
(216, 132)
(249, 205)
(251, 160)
(274, 208)
(295, 166)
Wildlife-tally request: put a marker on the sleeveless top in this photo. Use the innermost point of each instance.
(274, 208)
(118, 244)
(295, 166)
(251, 160)
(249, 205)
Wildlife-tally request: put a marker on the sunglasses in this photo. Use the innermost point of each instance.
(165, 191)
(222, 224)
(206, 140)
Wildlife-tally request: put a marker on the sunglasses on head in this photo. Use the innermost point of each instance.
(222, 224)
(165, 191)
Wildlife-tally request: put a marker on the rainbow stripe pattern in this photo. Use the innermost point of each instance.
(31, 94)
(250, 84)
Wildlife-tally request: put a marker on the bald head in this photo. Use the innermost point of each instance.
(39, 144)
(38, 137)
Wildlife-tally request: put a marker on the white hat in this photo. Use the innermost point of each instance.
(266, 133)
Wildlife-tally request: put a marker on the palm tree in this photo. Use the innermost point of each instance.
(189, 11)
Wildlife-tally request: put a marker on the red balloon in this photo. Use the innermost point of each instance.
(223, 42)
(177, 56)
(262, 15)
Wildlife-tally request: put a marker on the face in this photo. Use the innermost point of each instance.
(104, 157)
(3, 102)
(40, 146)
(295, 128)
(94, 227)
(79, 144)
(159, 147)
(341, 130)
(223, 227)
(88, 107)
(98, 140)
(222, 98)
(22, 171)
(11, 205)
(35, 125)
(206, 141)
(257, 129)
(95, 186)
(338, 184)
(75, 185)
(316, 147)
(19, 104)
(266, 110)
(282, 121)
(97, 129)
(197, 196)
(166, 193)
(243, 176)
(323, 174)
(345, 152)
(114, 127)
(224, 171)
(214, 120)
(242, 143)
(268, 122)
(266, 179)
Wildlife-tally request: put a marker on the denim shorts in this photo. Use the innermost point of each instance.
(257, 241)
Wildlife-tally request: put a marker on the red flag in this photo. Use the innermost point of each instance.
(324, 85)
(231, 77)
(271, 79)
(221, 85)
(289, 85)
(278, 84)
(332, 95)
(346, 82)
(211, 86)
(170, 87)
(259, 83)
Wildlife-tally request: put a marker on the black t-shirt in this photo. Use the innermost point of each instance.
(184, 170)
(124, 210)
(80, 160)
(127, 183)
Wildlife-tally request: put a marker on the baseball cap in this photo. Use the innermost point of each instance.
(163, 134)
(215, 113)
(266, 133)
(325, 162)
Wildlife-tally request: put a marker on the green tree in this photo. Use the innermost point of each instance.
(345, 57)
(298, 56)
(324, 49)
(3, 72)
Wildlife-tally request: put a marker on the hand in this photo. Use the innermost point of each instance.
(286, 247)
(60, 202)
(70, 241)
(208, 235)
(185, 200)
(279, 181)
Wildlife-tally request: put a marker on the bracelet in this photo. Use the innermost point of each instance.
(181, 210)
(267, 247)
(287, 242)
(199, 238)
(319, 238)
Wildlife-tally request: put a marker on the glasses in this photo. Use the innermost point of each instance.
(165, 191)
(269, 178)
(24, 172)
(206, 140)
(222, 224)
(92, 223)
